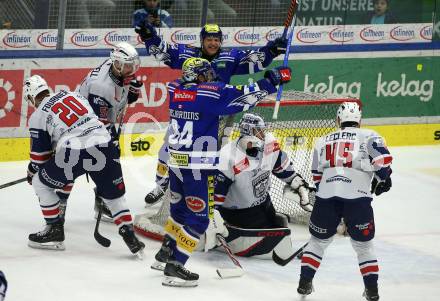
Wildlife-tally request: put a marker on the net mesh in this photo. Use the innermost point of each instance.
(302, 118)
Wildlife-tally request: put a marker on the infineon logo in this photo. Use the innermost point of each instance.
(182, 37)
(247, 37)
(340, 35)
(426, 33)
(372, 35)
(273, 34)
(15, 40)
(401, 34)
(309, 36)
(47, 39)
(84, 39)
(113, 37)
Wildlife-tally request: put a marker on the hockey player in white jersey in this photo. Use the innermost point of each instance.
(68, 140)
(242, 192)
(349, 166)
(109, 88)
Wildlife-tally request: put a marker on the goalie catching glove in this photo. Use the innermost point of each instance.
(216, 226)
(299, 187)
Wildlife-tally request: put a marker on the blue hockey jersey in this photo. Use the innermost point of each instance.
(227, 63)
(194, 118)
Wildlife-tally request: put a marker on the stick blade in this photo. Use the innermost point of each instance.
(105, 242)
(225, 273)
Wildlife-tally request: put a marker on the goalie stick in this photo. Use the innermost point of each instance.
(13, 183)
(278, 260)
(103, 241)
(225, 273)
(288, 23)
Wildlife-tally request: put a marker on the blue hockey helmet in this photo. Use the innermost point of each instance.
(195, 66)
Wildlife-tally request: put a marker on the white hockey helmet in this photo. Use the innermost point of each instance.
(125, 54)
(349, 112)
(252, 129)
(33, 86)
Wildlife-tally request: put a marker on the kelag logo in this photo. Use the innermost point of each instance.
(84, 39)
(15, 40)
(369, 34)
(113, 37)
(309, 36)
(426, 33)
(182, 37)
(140, 145)
(48, 39)
(245, 37)
(400, 34)
(340, 35)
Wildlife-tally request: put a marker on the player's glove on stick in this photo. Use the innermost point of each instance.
(145, 30)
(31, 171)
(279, 75)
(378, 187)
(134, 90)
(216, 226)
(299, 187)
(277, 46)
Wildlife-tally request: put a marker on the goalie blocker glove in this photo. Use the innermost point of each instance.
(301, 187)
(277, 46)
(216, 226)
(279, 75)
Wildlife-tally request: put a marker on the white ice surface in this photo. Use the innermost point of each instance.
(407, 245)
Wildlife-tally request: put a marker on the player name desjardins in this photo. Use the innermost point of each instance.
(185, 115)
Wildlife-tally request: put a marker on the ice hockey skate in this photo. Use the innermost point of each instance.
(51, 237)
(177, 275)
(136, 247)
(305, 287)
(162, 256)
(155, 195)
(371, 293)
(106, 214)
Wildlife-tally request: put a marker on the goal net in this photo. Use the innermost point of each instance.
(302, 118)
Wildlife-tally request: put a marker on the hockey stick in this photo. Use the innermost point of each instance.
(103, 241)
(13, 183)
(229, 272)
(278, 260)
(288, 23)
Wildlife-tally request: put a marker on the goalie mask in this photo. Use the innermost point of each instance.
(194, 67)
(33, 86)
(349, 112)
(252, 133)
(125, 59)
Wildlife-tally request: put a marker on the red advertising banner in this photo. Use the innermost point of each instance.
(11, 86)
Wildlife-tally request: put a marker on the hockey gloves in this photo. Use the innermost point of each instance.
(279, 75)
(299, 187)
(145, 30)
(216, 226)
(277, 46)
(31, 171)
(378, 187)
(134, 91)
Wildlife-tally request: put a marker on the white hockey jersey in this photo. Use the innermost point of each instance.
(106, 93)
(244, 181)
(345, 161)
(64, 120)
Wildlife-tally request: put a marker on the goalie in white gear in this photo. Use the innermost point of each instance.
(110, 88)
(242, 192)
(349, 165)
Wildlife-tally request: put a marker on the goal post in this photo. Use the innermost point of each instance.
(302, 118)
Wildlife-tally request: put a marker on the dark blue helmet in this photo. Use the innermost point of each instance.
(211, 30)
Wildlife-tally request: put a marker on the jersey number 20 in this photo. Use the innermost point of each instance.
(65, 108)
(339, 154)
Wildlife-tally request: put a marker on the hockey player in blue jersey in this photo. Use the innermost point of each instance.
(196, 102)
(225, 62)
(349, 166)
